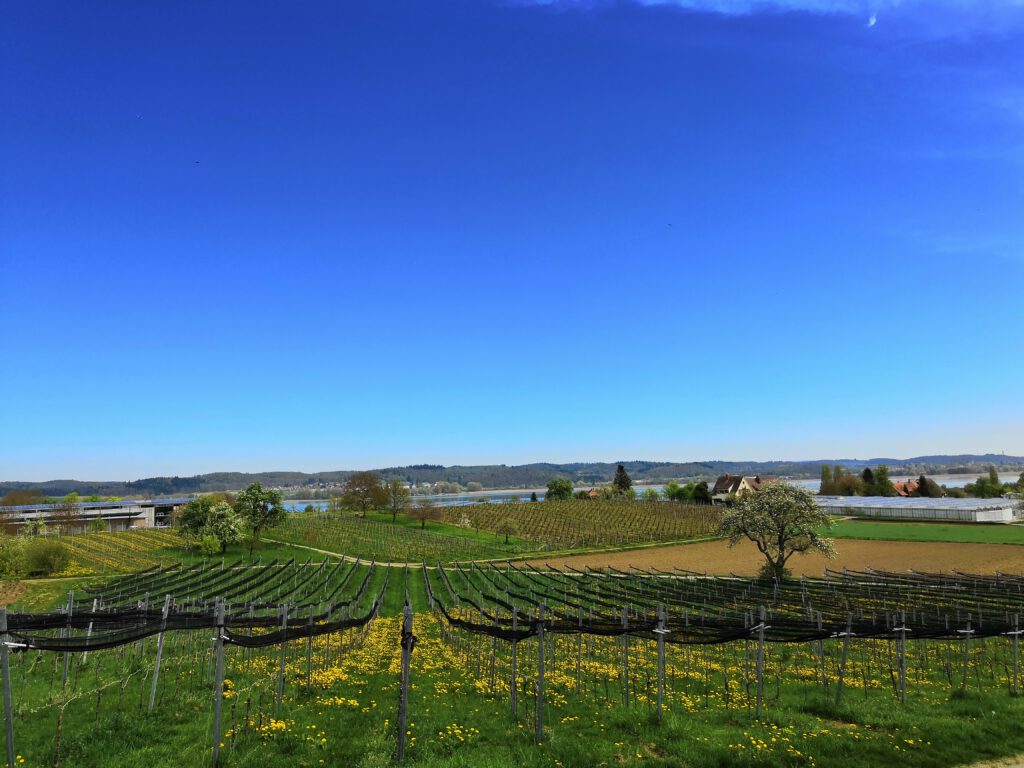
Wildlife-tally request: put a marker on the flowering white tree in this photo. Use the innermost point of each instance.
(781, 520)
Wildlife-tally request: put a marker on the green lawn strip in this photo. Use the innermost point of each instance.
(455, 531)
(967, 533)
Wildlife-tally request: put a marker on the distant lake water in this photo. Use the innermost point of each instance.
(504, 497)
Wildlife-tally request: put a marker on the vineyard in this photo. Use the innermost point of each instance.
(572, 524)
(122, 551)
(526, 666)
(384, 542)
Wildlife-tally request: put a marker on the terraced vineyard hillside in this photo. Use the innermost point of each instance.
(577, 523)
(121, 551)
(386, 542)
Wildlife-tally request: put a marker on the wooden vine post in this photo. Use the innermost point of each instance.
(842, 662)
(760, 662)
(6, 668)
(662, 630)
(539, 726)
(408, 640)
(159, 651)
(218, 687)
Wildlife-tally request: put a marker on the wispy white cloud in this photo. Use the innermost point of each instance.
(942, 17)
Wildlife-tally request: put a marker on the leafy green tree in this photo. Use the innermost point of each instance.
(987, 486)
(622, 481)
(826, 474)
(883, 485)
(675, 492)
(928, 488)
(781, 520)
(363, 491)
(869, 481)
(507, 527)
(397, 497)
(559, 489)
(209, 516)
(848, 485)
(259, 509)
(474, 486)
(701, 493)
(650, 494)
(582, 495)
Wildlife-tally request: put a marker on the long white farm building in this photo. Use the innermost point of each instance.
(115, 515)
(934, 510)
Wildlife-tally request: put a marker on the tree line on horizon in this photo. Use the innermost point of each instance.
(837, 481)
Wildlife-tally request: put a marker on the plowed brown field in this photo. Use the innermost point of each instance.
(744, 559)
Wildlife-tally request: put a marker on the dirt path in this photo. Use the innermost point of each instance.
(11, 591)
(744, 559)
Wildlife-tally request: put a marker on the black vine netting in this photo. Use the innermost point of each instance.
(281, 601)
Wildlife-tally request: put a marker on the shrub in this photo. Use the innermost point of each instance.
(44, 557)
(12, 556)
(209, 545)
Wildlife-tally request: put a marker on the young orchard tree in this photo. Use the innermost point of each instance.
(781, 520)
(259, 509)
(398, 497)
(507, 527)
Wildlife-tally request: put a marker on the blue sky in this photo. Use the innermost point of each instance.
(336, 235)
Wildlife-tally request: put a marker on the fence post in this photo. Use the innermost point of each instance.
(967, 649)
(218, 686)
(8, 707)
(579, 651)
(280, 667)
(159, 651)
(625, 656)
(514, 687)
(88, 632)
(1016, 641)
(539, 726)
(309, 653)
(902, 630)
(661, 630)
(67, 633)
(403, 696)
(760, 662)
(842, 662)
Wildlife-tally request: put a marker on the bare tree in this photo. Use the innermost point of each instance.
(398, 497)
(67, 517)
(424, 510)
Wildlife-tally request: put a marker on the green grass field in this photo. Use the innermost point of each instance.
(954, 532)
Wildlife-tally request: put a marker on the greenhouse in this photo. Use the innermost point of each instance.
(943, 510)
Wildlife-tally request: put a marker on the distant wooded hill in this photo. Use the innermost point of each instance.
(522, 476)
